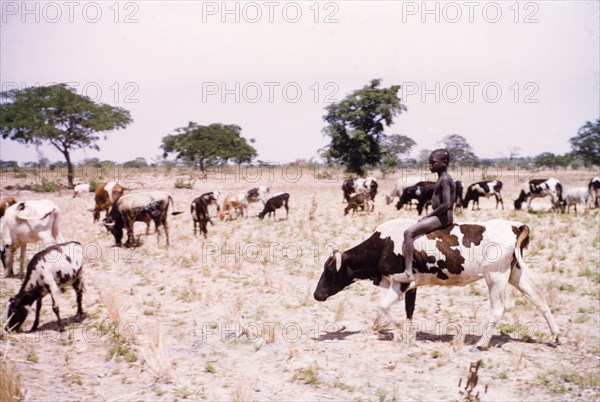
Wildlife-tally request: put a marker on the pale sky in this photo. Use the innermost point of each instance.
(501, 74)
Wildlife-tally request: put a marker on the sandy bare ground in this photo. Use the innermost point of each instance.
(233, 317)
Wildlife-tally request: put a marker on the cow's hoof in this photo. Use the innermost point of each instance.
(477, 348)
(553, 342)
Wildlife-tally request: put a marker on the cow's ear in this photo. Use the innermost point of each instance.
(338, 260)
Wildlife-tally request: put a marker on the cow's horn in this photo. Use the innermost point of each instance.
(338, 260)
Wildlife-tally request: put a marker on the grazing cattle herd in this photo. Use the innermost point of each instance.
(439, 260)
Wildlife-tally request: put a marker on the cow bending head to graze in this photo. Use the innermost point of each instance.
(139, 207)
(422, 192)
(27, 222)
(81, 189)
(396, 191)
(52, 269)
(537, 188)
(106, 193)
(199, 211)
(234, 205)
(275, 202)
(453, 256)
(576, 196)
(362, 201)
(486, 188)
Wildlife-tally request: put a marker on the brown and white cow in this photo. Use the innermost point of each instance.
(25, 222)
(5, 203)
(106, 193)
(139, 207)
(455, 256)
(234, 205)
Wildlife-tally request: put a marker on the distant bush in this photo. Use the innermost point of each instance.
(93, 184)
(189, 184)
(46, 186)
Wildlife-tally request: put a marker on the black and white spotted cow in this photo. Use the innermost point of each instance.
(486, 188)
(139, 207)
(360, 186)
(275, 202)
(594, 191)
(49, 271)
(199, 211)
(455, 256)
(537, 188)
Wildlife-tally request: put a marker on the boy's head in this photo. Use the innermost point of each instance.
(439, 160)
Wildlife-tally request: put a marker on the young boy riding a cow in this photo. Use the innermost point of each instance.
(441, 216)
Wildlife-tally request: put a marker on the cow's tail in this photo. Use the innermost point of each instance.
(173, 204)
(521, 244)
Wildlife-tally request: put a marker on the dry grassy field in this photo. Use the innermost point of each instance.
(233, 317)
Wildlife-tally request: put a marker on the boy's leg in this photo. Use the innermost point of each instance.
(424, 226)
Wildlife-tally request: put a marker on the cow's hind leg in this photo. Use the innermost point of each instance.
(521, 281)
(497, 288)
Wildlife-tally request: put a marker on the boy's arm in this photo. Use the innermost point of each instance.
(447, 202)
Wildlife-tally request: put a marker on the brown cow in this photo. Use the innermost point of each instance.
(106, 193)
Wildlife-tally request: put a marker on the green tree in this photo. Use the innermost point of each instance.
(57, 115)
(215, 143)
(355, 125)
(459, 149)
(586, 144)
(547, 159)
(394, 147)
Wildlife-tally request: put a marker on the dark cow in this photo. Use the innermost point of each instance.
(422, 192)
(360, 186)
(362, 201)
(199, 211)
(594, 191)
(486, 188)
(275, 202)
(537, 188)
(454, 256)
(49, 271)
(139, 207)
(459, 196)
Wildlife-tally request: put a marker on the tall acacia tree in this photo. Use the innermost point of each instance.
(57, 115)
(355, 125)
(213, 143)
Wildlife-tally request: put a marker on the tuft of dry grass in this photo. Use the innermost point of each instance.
(157, 357)
(10, 383)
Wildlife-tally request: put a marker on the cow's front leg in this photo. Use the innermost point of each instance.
(22, 260)
(389, 297)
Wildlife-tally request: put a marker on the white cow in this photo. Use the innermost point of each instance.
(28, 222)
(575, 196)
